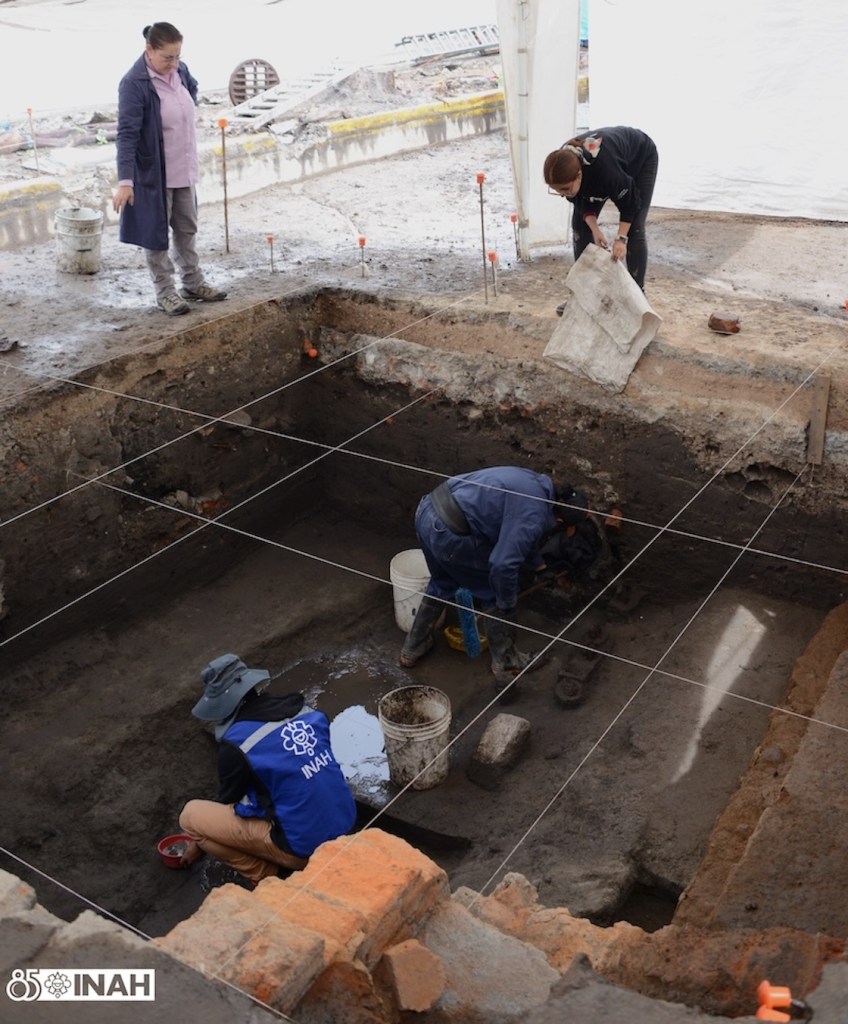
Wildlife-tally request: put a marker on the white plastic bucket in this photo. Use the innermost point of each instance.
(416, 721)
(78, 235)
(409, 575)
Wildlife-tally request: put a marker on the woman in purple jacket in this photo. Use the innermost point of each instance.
(616, 164)
(158, 168)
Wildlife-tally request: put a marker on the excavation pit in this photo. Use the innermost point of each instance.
(260, 498)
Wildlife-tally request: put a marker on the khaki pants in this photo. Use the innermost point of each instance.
(182, 220)
(245, 844)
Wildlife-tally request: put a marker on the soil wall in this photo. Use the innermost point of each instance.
(190, 427)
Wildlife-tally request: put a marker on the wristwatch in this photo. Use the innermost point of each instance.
(621, 238)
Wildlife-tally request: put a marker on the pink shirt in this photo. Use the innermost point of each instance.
(178, 129)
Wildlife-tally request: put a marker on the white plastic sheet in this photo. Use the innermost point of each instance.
(606, 322)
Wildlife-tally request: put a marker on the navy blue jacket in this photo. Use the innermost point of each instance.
(610, 174)
(509, 511)
(141, 156)
(275, 762)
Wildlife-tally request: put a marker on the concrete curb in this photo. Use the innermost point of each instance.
(254, 162)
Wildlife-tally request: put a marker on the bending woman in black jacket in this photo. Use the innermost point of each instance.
(615, 164)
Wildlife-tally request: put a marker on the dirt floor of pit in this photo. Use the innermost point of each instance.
(105, 719)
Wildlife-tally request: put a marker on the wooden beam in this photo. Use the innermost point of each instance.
(818, 420)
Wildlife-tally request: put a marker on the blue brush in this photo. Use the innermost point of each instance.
(468, 622)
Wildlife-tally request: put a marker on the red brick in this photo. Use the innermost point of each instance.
(234, 937)
(417, 976)
(341, 926)
(388, 882)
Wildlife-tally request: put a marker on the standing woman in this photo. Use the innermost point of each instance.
(615, 164)
(158, 168)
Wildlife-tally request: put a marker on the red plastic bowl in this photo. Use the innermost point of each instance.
(171, 849)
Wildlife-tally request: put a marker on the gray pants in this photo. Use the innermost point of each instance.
(182, 219)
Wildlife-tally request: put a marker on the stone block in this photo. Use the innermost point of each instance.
(25, 926)
(90, 929)
(15, 896)
(723, 323)
(21, 940)
(488, 975)
(499, 749)
(91, 942)
(345, 993)
(238, 939)
(416, 975)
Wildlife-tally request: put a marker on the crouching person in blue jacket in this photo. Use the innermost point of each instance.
(477, 531)
(281, 791)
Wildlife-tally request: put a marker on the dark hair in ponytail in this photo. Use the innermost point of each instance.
(564, 164)
(161, 33)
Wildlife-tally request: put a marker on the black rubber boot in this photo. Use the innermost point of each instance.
(507, 660)
(419, 640)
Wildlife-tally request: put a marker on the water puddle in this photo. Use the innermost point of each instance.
(347, 689)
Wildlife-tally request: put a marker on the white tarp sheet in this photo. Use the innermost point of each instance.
(606, 321)
(745, 101)
(540, 52)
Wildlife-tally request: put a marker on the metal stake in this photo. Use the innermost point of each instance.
(480, 179)
(222, 124)
(32, 136)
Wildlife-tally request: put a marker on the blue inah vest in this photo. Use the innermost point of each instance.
(293, 760)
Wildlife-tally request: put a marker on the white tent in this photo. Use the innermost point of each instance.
(745, 101)
(540, 52)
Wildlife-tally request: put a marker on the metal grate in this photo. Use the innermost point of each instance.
(250, 78)
(262, 104)
(476, 39)
(288, 95)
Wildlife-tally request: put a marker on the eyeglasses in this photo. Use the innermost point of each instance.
(565, 191)
(168, 58)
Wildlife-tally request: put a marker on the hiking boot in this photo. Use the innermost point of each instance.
(203, 293)
(214, 874)
(172, 305)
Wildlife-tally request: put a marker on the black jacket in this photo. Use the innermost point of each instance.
(610, 173)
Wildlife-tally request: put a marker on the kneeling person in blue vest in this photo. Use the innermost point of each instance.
(281, 791)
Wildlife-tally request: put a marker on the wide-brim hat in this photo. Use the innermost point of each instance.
(226, 682)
